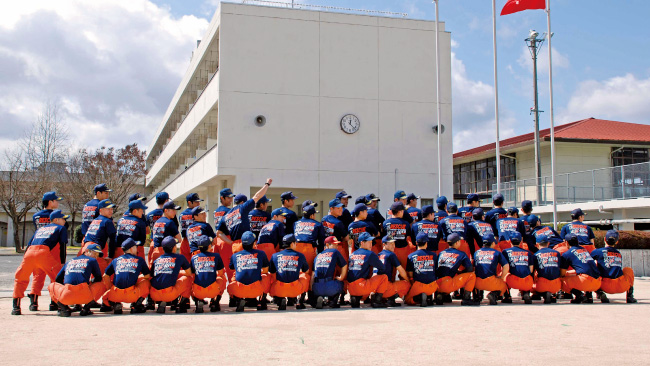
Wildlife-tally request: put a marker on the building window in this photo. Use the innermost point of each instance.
(479, 176)
(629, 155)
(630, 180)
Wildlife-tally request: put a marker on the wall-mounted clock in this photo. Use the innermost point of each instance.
(350, 123)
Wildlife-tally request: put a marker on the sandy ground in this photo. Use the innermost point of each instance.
(601, 334)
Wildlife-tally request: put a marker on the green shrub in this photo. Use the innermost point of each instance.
(627, 239)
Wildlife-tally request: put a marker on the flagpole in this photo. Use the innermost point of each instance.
(550, 83)
(496, 95)
(438, 101)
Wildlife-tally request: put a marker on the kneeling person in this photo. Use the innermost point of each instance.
(209, 278)
(360, 282)
(586, 277)
(324, 282)
(450, 276)
(615, 278)
(421, 268)
(291, 279)
(73, 283)
(166, 285)
(547, 270)
(396, 288)
(520, 274)
(127, 284)
(487, 261)
(251, 280)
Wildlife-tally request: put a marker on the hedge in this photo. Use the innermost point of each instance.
(627, 239)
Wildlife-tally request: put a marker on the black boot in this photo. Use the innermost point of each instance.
(439, 298)
(536, 296)
(183, 305)
(282, 303)
(578, 297)
(117, 308)
(458, 294)
(525, 295)
(33, 302)
(241, 304)
(630, 296)
(548, 297)
(85, 311)
(291, 301)
(477, 296)
(232, 302)
(94, 304)
(507, 299)
(301, 302)
(342, 300)
(137, 307)
(391, 302)
(215, 305)
(198, 306)
(151, 305)
(467, 300)
(319, 302)
(63, 310)
(564, 295)
(334, 302)
(421, 300)
(162, 307)
(376, 301)
(16, 309)
(53, 306)
(492, 297)
(173, 305)
(105, 308)
(355, 301)
(602, 297)
(589, 298)
(447, 298)
(262, 304)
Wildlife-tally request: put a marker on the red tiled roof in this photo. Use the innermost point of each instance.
(590, 129)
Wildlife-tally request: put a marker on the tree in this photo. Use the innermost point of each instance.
(45, 144)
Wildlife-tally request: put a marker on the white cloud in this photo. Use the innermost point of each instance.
(525, 60)
(112, 64)
(621, 98)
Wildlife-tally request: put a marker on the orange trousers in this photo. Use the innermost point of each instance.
(226, 251)
(518, 283)
(505, 244)
(213, 290)
(421, 288)
(442, 245)
(562, 247)
(183, 287)
(309, 251)
(581, 282)
(76, 294)
(155, 253)
(377, 246)
(544, 285)
(344, 250)
(618, 285)
(364, 287)
(290, 289)
(254, 290)
(399, 288)
(464, 247)
(590, 248)
(448, 285)
(490, 284)
(130, 294)
(403, 254)
(268, 249)
(36, 258)
(38, 279)
(185, 250)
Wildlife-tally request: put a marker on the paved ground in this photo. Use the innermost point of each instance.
(601, 334)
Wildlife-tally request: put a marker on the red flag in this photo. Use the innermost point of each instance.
(513, 6)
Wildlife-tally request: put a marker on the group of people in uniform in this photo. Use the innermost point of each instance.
(417, 256)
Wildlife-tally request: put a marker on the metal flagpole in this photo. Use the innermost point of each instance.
(550, 83)
(438, 101)
(496, 96)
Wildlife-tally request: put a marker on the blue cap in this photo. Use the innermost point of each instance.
(387, 239)
(287, 196)
(577, 213)
(513, 210)
(309, 210)
(240, 198)
(105, 204)
(526, 205)
(422, 237)
(288, 239)
(452, 207)
(498, 199)
(197, 210)
(193, 197)
(399, 195)
(397, 206)
(137, 196)
(248, 238)
(441, 201)
(136, 204)
(128, 244)
(343, 194)
(169, 242)
(454, 237)
(102, 188)
(226, 192)
(541, 239)
(278, 212)
(358, 208)
(360, 199)
(611, 237)
(371, 197)
(515, 237)
(427, 210)
(477, 213)
(336, 203)
(489, 238)
(204, 241)
(57, 214)
(472, 197)
(95, 248)
(51, 196)
(365, 237)
(309, 203)
(533, 220)
(412, 197)
(262, 200)
(171, 206)
(162, 196)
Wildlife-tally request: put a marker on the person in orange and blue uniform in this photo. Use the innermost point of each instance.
(486, 264)
(430, 227)
(585, 276)
(272, 233)
(581, 230)
(360, 225)
(392, 267)
(520, 274)
(412, 209)
(455, 271)
(325, 283)
(616, 279)
(455, 224)
(167, 283)
(251, 279)
(90, 210)
(361, 283)
(309, 234)
(508, 225)
(399, 229)
(289, 275)
(477, 230)
(497, 213)
(130, 281)
(199, 229)
(473, 202)
(209, 275)
(132, 225)
(193, 200)
(547, 270)
(421, 269)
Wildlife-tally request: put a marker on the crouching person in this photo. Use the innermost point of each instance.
(421, 269)
(166, 285)
(450, 275)
(325, 283)
(209, 277)
(251, 280)
(615, 278)
(392, 266)
(547, 270)
(586, 276)
(73, 283)
(289, 278)
(130, 281)
(487, 261)
(360, 282)
(520, 274)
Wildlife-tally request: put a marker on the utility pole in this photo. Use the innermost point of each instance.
(534, 46)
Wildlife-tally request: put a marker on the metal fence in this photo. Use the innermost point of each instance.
(621, 182)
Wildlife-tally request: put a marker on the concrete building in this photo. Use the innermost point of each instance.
(602, 166)
(318, 101)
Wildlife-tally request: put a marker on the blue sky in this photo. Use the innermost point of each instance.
(114, 65)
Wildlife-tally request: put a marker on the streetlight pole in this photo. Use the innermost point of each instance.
(534, 46)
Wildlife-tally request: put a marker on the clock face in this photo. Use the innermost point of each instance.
(350, 123)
